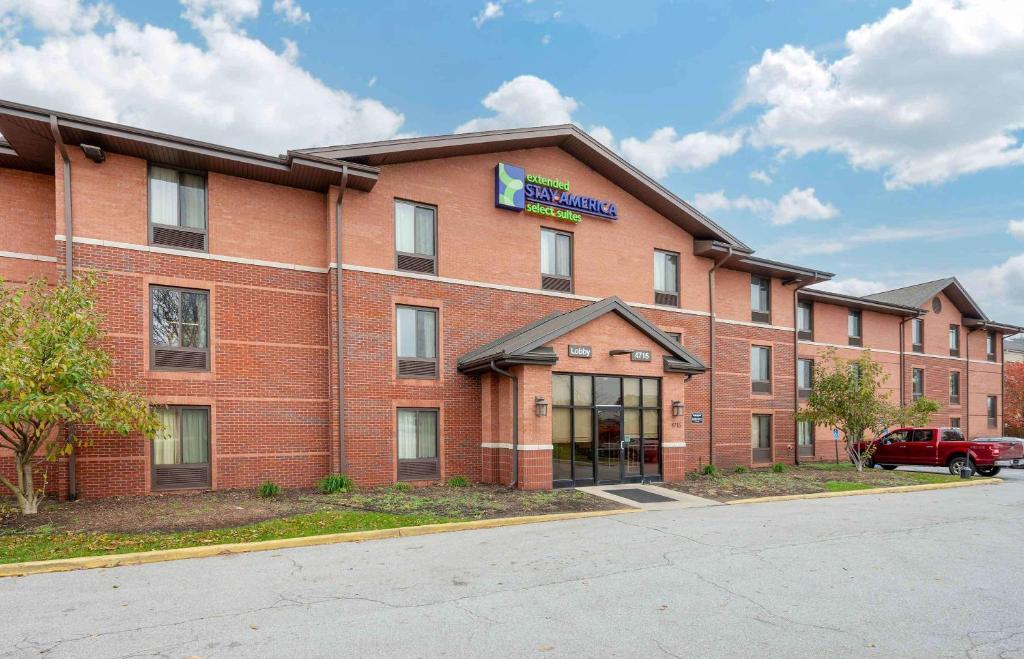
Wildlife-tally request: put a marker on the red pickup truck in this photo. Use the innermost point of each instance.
(943, 447)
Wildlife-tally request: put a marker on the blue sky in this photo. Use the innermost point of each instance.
(878, 140)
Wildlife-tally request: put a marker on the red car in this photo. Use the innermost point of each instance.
(943, 447)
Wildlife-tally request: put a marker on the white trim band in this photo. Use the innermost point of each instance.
(195, 255)
(28, 257)
(521, 447)
(746, 323)
(896, 352)
(673, 445)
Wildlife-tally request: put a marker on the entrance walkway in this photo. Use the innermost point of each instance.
(647, 497)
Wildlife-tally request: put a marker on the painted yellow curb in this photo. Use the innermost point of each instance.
(160, 555)
(875, 490)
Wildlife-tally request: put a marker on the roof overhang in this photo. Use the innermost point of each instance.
(745, 262)
(30, 145)
(528, 344)
(1003, 328)
(852, 302)
(567, 137)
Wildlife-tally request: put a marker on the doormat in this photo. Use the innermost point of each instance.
(640, 496)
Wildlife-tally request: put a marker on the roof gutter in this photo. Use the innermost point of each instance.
(69, 234)
(515, 421)
(711, 351)
(341, 319)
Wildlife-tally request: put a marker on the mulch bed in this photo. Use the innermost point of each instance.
(794, 480)
(201, 511)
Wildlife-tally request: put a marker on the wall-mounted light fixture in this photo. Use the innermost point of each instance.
(541, 405)
(94, 153)
(677, 408)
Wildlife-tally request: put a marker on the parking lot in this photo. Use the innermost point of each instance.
(925, 574)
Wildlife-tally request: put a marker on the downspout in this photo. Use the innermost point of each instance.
(515, 421)
(796, 364)
(967, 383)
(69, 233)
(903, 365)
(341, 320)
(711, 353)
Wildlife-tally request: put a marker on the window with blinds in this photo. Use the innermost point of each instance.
(177, 209)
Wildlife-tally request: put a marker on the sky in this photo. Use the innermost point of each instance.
(881, 141)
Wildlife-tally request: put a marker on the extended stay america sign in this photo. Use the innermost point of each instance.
(516, 190)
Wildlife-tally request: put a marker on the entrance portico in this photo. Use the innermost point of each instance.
(593, 391)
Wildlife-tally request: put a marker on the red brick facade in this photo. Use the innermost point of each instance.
(272, 387)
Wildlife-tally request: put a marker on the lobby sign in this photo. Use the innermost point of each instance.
(515, 189)
(696, 417)
(583, 352)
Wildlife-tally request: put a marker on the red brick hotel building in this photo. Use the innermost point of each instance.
(519, 306)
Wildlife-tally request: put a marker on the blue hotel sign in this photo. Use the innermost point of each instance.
(516, 190)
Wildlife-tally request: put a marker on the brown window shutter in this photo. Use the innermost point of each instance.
(417, 368)
(418, 470)
(666, 299)
(416, 263)
(560, 284)
(178, 238)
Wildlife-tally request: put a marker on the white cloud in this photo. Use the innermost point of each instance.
(800, 204)
(836, 242)
(852, 286)
(228, 88)
(545, 40)
(491, 11)
(665, 151)
(525, 100)
(1016, 229)
(797, 204)
(291, 11)
(760, 176)
(1000, 289)
(928, 93)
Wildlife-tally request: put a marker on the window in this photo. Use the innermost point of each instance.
(853, 327)
(666, 278)
(804, 376)
(760, 300)
(417, 445)
(761, 438)
(177, 208)
(954, 340)
(760, 369)
(555, 260)
(954, 387)
(990, 346)
(676, 336)
(917, 382)
(805, 320)
(953, 434)
(181, 448)
(991, 407)
(917, 334)
(415, 237)
(179, 336)
(417, 342)
(805, 438)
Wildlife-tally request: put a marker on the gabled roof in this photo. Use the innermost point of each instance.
(1013, 344)
(526, 345)
(918, 295)
(568, 137)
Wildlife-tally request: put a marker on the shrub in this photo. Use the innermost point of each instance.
(333, 483)
(401, 486)
(268, 489)
(709, 470)
(458, 481)
(778, 467)
(741, 469)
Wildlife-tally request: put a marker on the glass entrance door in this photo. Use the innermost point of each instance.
(605, 429)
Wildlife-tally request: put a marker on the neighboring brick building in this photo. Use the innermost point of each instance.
(518, 305)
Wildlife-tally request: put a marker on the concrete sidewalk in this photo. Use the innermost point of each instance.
(913, 575)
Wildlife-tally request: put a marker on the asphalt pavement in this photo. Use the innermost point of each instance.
(926, 574)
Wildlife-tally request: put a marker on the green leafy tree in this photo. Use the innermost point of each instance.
(52, 372)
(847, 394)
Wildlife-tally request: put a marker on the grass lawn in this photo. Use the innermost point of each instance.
(806, 479)
(142, 523)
